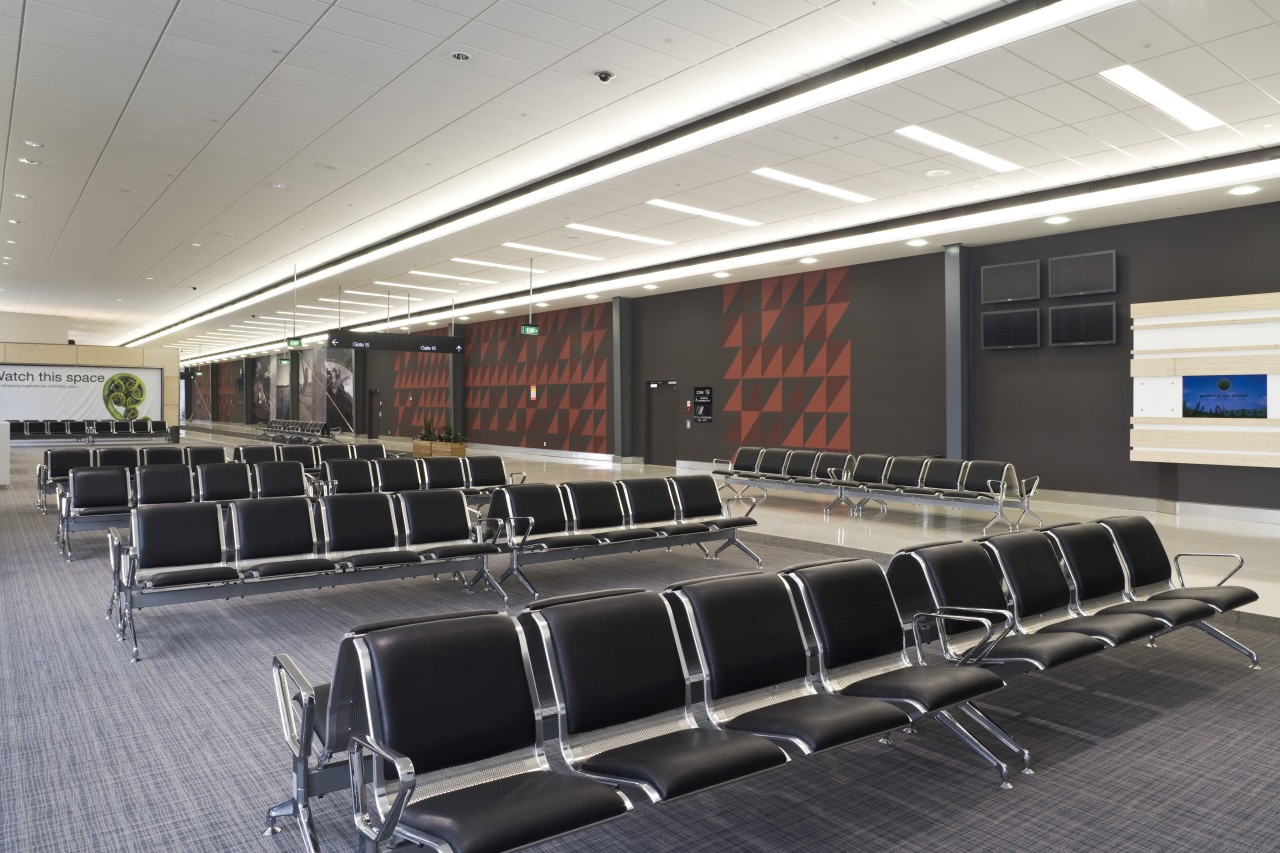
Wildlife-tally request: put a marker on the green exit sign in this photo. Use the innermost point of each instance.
(528, 329)
(284, 360)
(293, 342)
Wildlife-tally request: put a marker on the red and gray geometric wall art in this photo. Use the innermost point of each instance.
(789, 373)
(568, 361)
(421, 391)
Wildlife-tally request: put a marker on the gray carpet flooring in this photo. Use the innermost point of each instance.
(1135, 750)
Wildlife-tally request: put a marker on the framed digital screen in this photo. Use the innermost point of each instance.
(1240, 396)
(1014, 282)
(1078, 275)
(1011, 329)
(1082, 325)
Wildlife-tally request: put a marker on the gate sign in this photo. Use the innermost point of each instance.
(34, 392)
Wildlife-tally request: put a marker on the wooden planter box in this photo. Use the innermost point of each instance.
(438, 448)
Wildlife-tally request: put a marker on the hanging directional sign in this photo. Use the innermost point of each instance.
(347, 339)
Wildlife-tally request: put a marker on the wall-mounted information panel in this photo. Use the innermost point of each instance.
(347, 339)
(1082, 325)
(1079, 275)
(1016, 282)
(1011, 329)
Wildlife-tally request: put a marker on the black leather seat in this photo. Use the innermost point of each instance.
(161, 456)
(251, 453)
(1040, 598)
(161, 484)
(397, 475)
(276, 536)
(650, 504)
(596, 506)
(475, 663)
(369, 450)
(749, 639)
(490, 472)
(96, 498)
(285, 478)
(360, 531)
(348, 476)
(861, 652)
(439, 526)
(55, 471)
(196, 455)
(447, 472)
(615, 661)
(223, 481)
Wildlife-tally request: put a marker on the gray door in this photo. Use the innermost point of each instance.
(662, 419)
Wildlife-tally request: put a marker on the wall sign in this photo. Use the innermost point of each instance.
(71, 392)
(702, 404)
(347, 339)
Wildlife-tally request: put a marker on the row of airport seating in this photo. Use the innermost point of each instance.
(100, 496)
(87, 431)
(295, 432)
(813, 657)
(857, 479)
(181, 552)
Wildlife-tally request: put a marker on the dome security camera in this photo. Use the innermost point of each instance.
(604, 76)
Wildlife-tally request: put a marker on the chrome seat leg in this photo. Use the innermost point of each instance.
(952, 725)
(999, 733)
(1230, 641)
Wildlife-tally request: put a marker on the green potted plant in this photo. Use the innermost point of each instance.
(448, 443)
(422, 444)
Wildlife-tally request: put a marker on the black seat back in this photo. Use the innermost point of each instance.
(303, 454)
(223, 481)
(851, 609)
(905, 470)
(251, 453)
(36, 428)
(115, 457)
(983, 474)
(99, 487)
(431, 517)
(17, 429)
(486, 471)
(1032, 572)
(279, 479)
(961, 574)
(469, 667)
(746, 459)
(178, 535)
(800, 463)
(594, 504)
(1141, 549)
(58, 462)
(163, 484)
(541, 502)
(696, 496)
(397, 475)
(161, 456)
(331, 452)
(358, 522)
(870, 468)
(444, 472)
(942, 474)
(1090, 557)
(203, 455)
(104, 427)
(159, 427)
(369, 450)
(77, 427)
(829, 465)
(648, 500)
(273, 527)
(614, 657)
(773, 460)
(121, 428)
(348, 475)
(56, 428)
(748, 634)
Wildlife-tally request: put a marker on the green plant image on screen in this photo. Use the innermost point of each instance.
(122, 394)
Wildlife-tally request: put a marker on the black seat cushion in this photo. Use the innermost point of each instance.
(514, 811)
(1173, 611)
(103, 510)
(965, 494)
(1044, 650)
(460, 549)
(181, 577)
(682, 529)
(1113, 628)
(737, 521)
(1221, 598)
(927, 687)
(822, 721)
(629, 534)
(562, 540)
(687, 760)
(380, 558)
(300, 566)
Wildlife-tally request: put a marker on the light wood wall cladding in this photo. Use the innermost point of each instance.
(1227, 335)
(77, 355)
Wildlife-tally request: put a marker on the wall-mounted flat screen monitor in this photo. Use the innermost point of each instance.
(1243, 396)
(1077, 275)
(1082, 325)
(1014, 282)
(1011, 329)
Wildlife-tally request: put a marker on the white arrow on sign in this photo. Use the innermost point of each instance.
(333, 342)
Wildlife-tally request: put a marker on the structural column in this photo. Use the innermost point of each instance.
(620, 380)
(956, 346)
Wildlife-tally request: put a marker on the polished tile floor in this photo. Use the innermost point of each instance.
(800, 517)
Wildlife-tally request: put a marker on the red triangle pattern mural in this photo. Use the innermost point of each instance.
(788, 381)
(421, 390)
(568, 362)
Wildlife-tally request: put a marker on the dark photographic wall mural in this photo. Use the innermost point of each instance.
(262, 397)
(339, 389)
(312, 403)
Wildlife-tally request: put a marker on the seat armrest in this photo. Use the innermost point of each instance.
(976, 654)
(290, 682)
(512, 481)
(526, 521)
(999, 488)
(1177, 565)
(838, 474)
(366, 819)
(1027, 487)
(487, 529)
(722, 463)
(750, 509)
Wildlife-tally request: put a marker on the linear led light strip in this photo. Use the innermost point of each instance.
(1014, 213)
(1161, 97)
(1034, 22)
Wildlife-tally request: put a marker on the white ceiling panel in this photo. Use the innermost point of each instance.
(1132, 32)
(1006, 72)
(1255, 53)
(903, 104)
(1065, 54)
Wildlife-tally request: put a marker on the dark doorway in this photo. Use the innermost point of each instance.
(374, 413)
(662, 420)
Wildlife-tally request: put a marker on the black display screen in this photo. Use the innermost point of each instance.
(1011, 282)
(1011, 329)
(1076, 275)
(1082, 325)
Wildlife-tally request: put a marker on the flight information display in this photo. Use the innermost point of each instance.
(1011, 329)
(1082, 325)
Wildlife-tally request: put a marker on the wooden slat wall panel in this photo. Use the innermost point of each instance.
(1178, 439)
(1194, 458)
(1210, 305)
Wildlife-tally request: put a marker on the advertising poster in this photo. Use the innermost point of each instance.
(68, 392)
(1224, 396)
